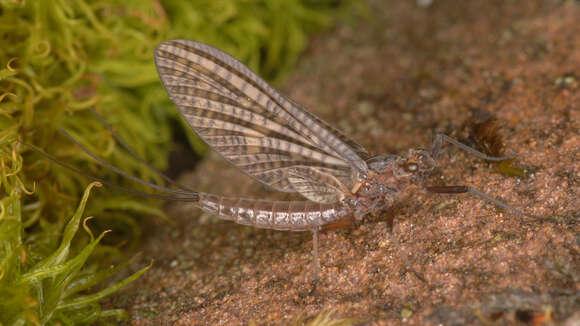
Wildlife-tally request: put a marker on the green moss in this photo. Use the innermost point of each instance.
(37, 289)
(57, 60)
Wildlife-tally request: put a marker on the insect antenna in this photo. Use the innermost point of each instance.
(129, 150)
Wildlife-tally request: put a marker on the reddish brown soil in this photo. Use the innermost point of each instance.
(391, 82)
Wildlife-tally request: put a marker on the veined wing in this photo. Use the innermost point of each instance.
(252, 125)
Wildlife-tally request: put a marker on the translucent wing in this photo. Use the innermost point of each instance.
(253, 126)
(317, 184)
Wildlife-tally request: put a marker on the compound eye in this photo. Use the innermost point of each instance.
(411, 167)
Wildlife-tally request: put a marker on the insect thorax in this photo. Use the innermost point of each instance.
(390, 175)
(415, 166)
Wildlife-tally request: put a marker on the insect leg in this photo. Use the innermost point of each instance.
(473, 191)
(437, 145)
(448, 189)
(315, 253)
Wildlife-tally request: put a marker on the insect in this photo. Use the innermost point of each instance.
(277, 142)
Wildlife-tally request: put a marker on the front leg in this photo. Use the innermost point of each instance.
(437, 146)
(475, 192)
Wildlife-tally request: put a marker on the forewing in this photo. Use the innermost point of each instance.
(248, 122)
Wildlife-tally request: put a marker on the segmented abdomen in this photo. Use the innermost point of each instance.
(278, 215)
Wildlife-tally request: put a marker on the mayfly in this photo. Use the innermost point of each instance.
(277, 142)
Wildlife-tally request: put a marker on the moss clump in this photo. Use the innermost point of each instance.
(58, 59)
(37, 289)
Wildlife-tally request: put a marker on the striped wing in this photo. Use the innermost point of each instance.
(253, 126)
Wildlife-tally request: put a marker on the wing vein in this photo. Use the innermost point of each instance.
(254, 127)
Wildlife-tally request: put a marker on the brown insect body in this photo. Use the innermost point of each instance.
(389, 175)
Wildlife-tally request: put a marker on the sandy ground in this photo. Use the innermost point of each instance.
(391, 82)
